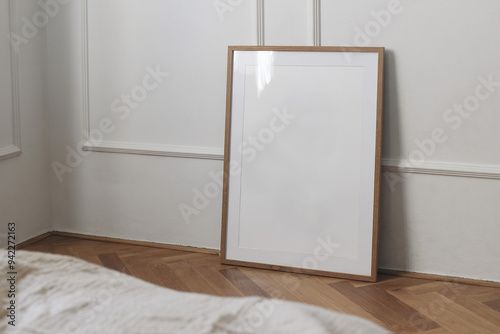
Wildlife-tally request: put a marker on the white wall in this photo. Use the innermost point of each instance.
(24, 179)
(439, 215)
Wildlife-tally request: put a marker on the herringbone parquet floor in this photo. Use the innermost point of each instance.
(403, 305)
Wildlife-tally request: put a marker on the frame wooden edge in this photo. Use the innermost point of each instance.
(378, 162)
(227, 144)
(297, 270)
(376, 49)
(378, 158)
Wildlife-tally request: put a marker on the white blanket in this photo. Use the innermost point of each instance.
(60, 294)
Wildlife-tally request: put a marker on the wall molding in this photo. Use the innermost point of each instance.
(260, 23)
(192, 152)
(317, 22)
(443, 169)
(215, 153)
(9, 152)
(85, 68)
(15, 149)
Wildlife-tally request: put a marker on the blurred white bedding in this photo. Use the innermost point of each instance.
(60, 294)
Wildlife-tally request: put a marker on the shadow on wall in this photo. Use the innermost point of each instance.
(393, 232)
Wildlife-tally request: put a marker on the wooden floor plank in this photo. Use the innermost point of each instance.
(243, 283)
(406, 313)
(439, 330)
(160, 273)
(372, 303)
(264, 280)
(192, 279)
(113, 261)
(312, 291)
(445, 312)
(307, 293)
(218, 282)
(480, 309)
(494, 304)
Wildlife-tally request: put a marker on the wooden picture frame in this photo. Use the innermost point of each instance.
(302, 159)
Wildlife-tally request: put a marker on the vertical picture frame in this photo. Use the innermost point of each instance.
(302, 159)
